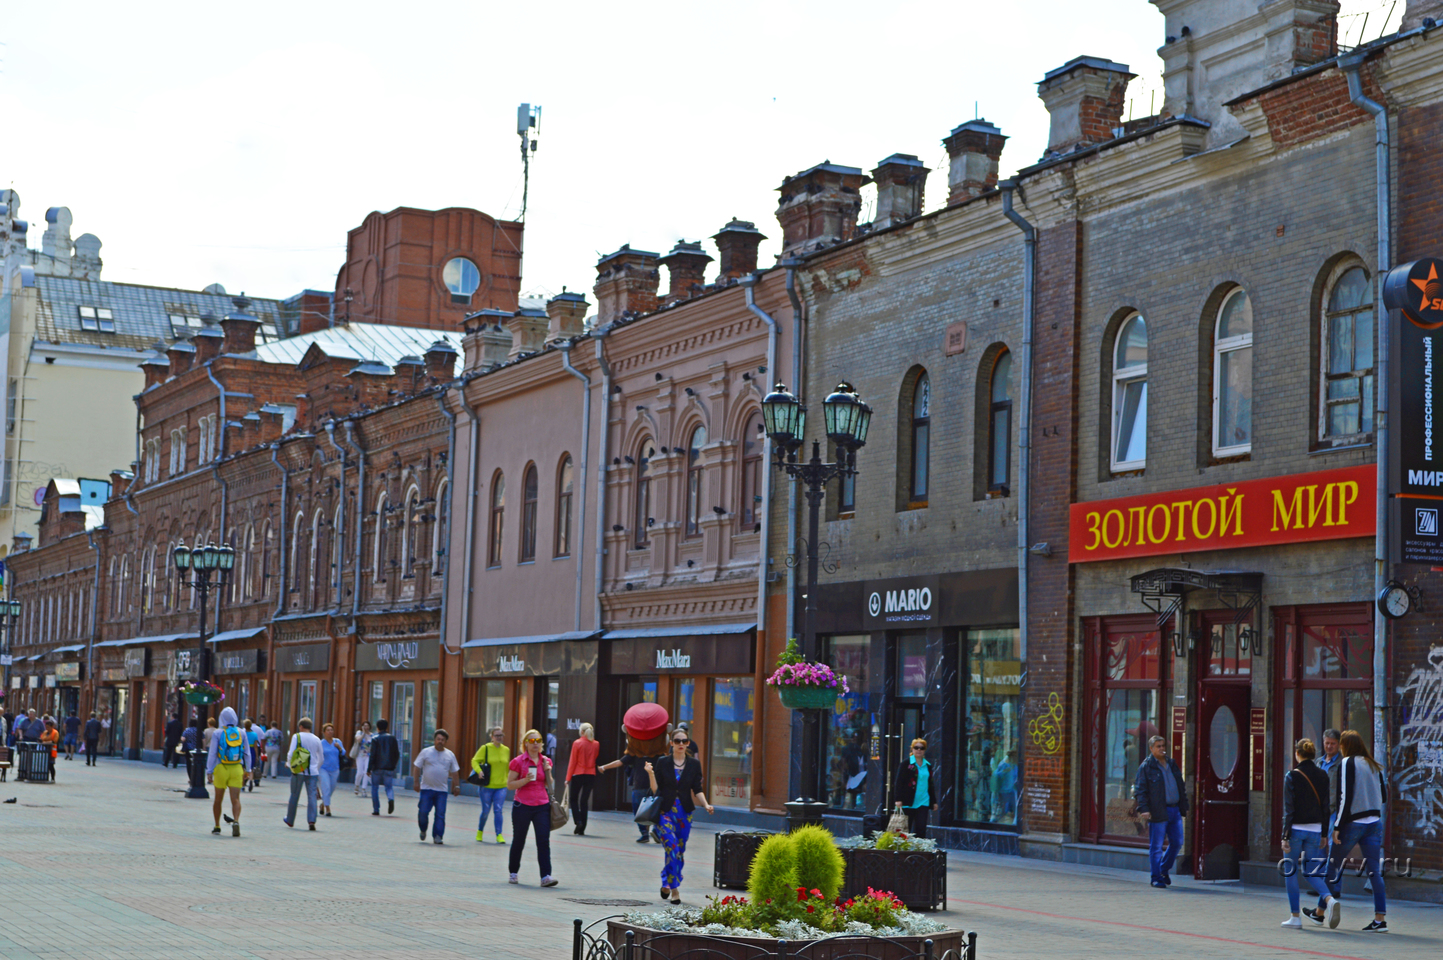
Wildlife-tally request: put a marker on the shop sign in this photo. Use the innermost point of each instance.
(238, 661)
(399, 655)
(902, 602)
(1304, 507)
(1002, 677)
(14, 683)
(6, 659)
(307, 658)
(67, 671)
(1257, 736)
(137, 661)
(49, 680)
(181, 665)
(1179, 733)
(34, 683)
(110, 675)
(513, 660)
(733, 788)
(730, 653)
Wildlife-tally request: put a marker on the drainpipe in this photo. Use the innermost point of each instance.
(340, 534)
(130, 487)
(1350, 63)
(1024, 429)
(281, 591)
(446, 534)
(605, 442)
(224, 493)
(800, 388)
(469, 542)
(360, 512)
(94, 619)
(565, 347)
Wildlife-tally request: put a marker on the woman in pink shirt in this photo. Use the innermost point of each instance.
(581, 775)
(530, 777)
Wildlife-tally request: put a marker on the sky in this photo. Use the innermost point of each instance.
(237, 144)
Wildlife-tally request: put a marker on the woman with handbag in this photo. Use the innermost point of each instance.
(1304, 814)
(531, 779)
(489, 769)
(361, 753)
(678, 789)
(918, 787)
(581, 775)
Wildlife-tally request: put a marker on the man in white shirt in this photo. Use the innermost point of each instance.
(310, 772)
(273, 747)
(434, 767)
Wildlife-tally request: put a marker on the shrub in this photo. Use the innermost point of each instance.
(817, 863)
(772, 873)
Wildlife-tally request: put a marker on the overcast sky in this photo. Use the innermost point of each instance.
(238, 143)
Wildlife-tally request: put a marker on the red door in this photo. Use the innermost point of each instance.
(1222, 762)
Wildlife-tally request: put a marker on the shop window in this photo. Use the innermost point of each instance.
(495, 709)
(912, 666)
(989, 775)
(1124, 704)
(849, 727)
(286, 722)
(754, 451)
(1345, 407)
(307, 702)
(403, 711)
(730, 769)
(685, 711)
(1233, 376)
(529, 494)
(564, 481)
(377, 707)
(1129, 396)
(694, 489)
(430, 697)
(643, 520)
(498, 518)
(999, 427)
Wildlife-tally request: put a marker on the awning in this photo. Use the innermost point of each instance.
(539, 638)
(245, 634)
(646, 633)
(139, 641)
(70, 649)
(35, 657)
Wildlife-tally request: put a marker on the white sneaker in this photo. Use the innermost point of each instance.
(1296, 923)
(513, 879)
(1334, 910)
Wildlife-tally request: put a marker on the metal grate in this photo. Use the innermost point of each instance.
(607, 903)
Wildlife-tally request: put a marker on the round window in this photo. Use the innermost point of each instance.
(461, 277)
(1223, 743)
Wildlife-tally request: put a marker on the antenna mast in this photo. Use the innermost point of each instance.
(528, 118)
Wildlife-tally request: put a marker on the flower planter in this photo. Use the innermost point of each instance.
(808, 698)
(202, 697)
(918, 878)
(733, 861)
(664, 945)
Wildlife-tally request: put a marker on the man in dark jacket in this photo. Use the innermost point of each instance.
(385, 758)
(173, 730)
(1161, 804)
(92, 740)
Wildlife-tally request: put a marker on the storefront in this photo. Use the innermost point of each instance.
(935, 657)
(400, 680)
(68, 673)
(304, 681)
(241, 673)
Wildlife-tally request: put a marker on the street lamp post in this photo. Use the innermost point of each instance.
(847, 421)
(9, 610)
(200, 563)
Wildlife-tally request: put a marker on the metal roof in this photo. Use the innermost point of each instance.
(245, 634)
(137, 641)
(697, 631)
(381, 342)
(538, 638)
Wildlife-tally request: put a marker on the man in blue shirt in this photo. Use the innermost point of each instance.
(1161, 804)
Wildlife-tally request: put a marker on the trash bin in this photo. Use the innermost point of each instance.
(34, 762)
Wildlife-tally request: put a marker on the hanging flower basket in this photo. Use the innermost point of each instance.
(808, 698)
(804, 685)
(202, 693)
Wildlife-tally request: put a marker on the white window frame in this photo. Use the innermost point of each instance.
(1120, 380)
(1221, 347)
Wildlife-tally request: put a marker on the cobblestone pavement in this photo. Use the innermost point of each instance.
(114, 862)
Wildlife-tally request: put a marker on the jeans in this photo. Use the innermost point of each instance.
(1172, 830)
(308, 782)
(361, 763)
(492, 798)
(328, 785)
(432, 799)
(636, 797)
(379, 779)
(523, 817)
(1368, 836)
(581, 786)
(1306, 858)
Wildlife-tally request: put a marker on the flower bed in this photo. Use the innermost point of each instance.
(732, 863)
(913, 868)
(662, 944)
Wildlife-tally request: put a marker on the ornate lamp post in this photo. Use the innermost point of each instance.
(847, 420)
(9, 611)
(200, 563)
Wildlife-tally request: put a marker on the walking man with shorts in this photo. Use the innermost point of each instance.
(72, 734)
(227, 764)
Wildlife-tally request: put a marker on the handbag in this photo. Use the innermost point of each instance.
(898, 821)
(482, 779)
(649, 810)
(559, 816)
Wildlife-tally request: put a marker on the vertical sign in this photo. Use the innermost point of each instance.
(1414, 294)
(1179, 727)
(1257, 728)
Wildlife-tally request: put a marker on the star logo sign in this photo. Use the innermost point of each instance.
(1431, 302)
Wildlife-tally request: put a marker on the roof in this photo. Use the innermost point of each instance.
(381, 342)
(641, 633)
(538, 638)
(245, 634)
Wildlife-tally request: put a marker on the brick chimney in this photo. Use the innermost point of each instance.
(239, 328)
(737, 243)
(975, 148)
(441, 361)
(273, 425)
(901, 180)
(1417, 11)
(208, 340)
(819, 207)
(567, 313)
(120, 481)
(528, 331)
(182, 355)
(686, 265)
(626, 283)
(155, 367)
(1085, 97)
(372, 380)
(410, 374)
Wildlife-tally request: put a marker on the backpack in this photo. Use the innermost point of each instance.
(232, 745)
(300, 759)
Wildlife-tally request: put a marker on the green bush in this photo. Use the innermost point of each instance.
(773, 871)
(818, 864)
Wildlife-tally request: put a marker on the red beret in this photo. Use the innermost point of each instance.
(646, 720)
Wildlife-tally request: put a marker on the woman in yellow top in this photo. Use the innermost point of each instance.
(493, 788)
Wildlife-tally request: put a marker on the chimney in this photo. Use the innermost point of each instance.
(1417, 11)
(372, 379)
(528, 331)
(56, 241)
(485, 343)
(625, 284)
(120, 482)
(737, 243)
(441, 361)
(208, 341)
(239, 328)
(819, 207)
(181, 355)
(975, 148)
(1085, 97)
(567, 313)
(155, 367)
(686, 265)
(901, 180)
(273, 424)
(410, 374)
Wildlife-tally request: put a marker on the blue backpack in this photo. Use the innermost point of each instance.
(232, 745)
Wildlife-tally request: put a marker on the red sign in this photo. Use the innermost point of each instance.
(1327, 505)
(1257, 730)
(1179, 728)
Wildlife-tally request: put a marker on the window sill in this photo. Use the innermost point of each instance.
(1120, 473)
(526, 563)
(562, 556)
(914, 505)
(1361, 445)
(1000, 493)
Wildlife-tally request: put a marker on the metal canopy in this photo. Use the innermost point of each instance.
(1163, 590)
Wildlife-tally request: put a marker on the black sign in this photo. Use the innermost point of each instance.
(180, 665)
(136, 661)
(237, 661)
(901, 603)
(513, 660)
(1413, 293)
(306, 658)
(399, 655)
(715, 654)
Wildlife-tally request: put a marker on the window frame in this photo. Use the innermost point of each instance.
(561, 532)
(695, 475)
(920, 453)
(641, 536)
(530, 501)
(378, 542)
(1233, 344)
(993, 409)
(1326, 318)
(496, 535)
(753, 463)
(1122, 377)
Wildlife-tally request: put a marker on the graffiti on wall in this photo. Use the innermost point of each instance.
(1046, 730)
(1418, 756)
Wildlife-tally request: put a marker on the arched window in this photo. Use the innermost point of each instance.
(644, 520)
(263, 587)
(1129, 395)
(1345, 408)
(530, 492)
(754, 451)
(441, 529)
(1233, 376)
(999, 425)
(921, 439)
(339, 548)
(320, 560)
(411, 530)
(564, 479)
(694, 482)
(498, 518)
(379, 554)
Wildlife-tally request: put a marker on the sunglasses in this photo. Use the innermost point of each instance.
(533, 739)
(919, 748)
(681, 740)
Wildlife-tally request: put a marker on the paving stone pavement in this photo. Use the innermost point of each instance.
(114, 862)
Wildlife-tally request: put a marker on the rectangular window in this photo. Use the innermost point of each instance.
(286, 722)
(377, 708)
(88, 320)
(403, 710)
(430, 697)
(730, 770)
(912, 666)
(849, 727)
(11, 394)
(989, 774)
(495, 707)
(309, 702)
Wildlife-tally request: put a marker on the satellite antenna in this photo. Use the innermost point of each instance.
(528, 118)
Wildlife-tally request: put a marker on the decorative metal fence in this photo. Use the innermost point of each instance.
(612, 939)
